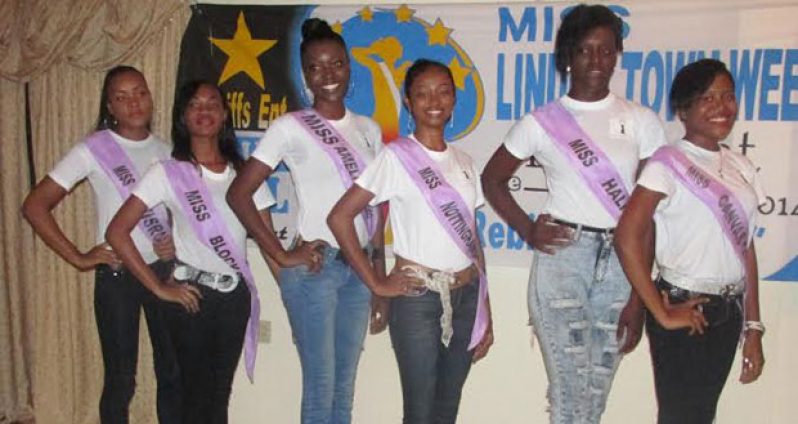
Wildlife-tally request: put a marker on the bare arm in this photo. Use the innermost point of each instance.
(274, 267)
(380, 306)
(37, 210)
(543, 234)
(118, 236)
(753, 357)
(342, 224)
(633, 238)
(239, 197)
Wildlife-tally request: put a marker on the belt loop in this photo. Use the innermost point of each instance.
(577, 234)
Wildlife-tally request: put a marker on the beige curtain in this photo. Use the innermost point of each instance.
(16, 259)
(90, 34)
(52, 367)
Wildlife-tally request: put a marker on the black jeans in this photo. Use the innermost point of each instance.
(432, 375)
(118, 299)
(690, 371)
(208, 346)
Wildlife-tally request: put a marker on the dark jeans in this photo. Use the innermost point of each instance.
(432, 375)
(690, 371)
(118, 299)
(208, 346)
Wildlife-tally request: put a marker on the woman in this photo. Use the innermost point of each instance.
(703, 199)
(589, 143)
(211, 281)
(442, 323)
(112, 159)
(324, 147)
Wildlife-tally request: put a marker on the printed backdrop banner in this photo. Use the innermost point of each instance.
(502, 63)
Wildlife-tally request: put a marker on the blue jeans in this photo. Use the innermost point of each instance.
(432, 375)
(328, 312)
(575, 299)
(118, 300)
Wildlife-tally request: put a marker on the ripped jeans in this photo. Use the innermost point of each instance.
(575, 299)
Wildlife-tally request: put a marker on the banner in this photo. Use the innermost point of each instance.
(502, 62)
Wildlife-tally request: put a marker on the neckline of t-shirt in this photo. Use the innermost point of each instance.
(574, 104)
(132, 143)
(438, 156)
(216, 176)
(340, 122)
(700, 151)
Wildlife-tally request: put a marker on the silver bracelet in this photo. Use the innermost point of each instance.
(754, 325)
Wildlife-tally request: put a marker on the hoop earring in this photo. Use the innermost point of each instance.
(411, 125)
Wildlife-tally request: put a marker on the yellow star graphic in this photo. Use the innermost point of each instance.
(404, 13)
(337, 27)
(242, 53)
(459, 73)
(438, 33)
(366, 14)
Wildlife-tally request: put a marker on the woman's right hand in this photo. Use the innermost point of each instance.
(400, 282)
(546, 235)
(684, 315)
(309, 254)
(186, 295)
(99, 254)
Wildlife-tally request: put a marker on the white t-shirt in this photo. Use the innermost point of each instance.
(155, 188)
(625, 131)
(692, 250)
(316, 179)
(80, 163)
(417, 233)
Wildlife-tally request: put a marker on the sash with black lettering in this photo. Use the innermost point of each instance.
(452, 212)
(212, 231)
(343, 155)
(595, 168)
(123, 175)
(723, 204)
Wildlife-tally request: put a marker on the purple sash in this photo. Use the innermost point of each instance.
(723, 204)
(121, 172)
(343, 155)
(596, 169)
(210, 229)
(453, 214)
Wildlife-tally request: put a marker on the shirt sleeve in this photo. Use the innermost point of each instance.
(380, 177)
(72, 168)
(522, 138)
(152, 187)
(274, 144)
(653, 133)
(656, 177)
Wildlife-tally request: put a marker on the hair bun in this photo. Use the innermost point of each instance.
(315, 27)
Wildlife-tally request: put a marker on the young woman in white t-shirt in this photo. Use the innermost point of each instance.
(123, 121)
(327, 304)
(706, 292)
(210, 292)
(579, 299)
(437, 285)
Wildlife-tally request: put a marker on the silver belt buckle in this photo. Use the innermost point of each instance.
(219, 282)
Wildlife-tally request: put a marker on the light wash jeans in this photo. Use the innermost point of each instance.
(575, 298)
(328, 312)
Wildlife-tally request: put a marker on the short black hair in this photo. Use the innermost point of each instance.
(106, 121)
(576, 25)
(315, 30)
(693, 80)
(181, 138)
(419, 67)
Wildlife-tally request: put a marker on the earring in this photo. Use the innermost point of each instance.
(568, 69)
(411, 125)
(451, 120)
(350, 92)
